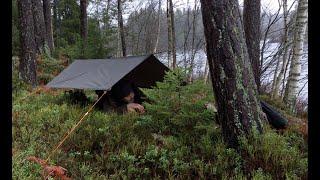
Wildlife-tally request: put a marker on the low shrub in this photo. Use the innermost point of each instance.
(177, 138)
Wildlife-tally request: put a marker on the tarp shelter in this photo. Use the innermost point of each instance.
(102, 74)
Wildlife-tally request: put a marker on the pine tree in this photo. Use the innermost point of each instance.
(39, 25)
(235, 90)
(251, 23)
(27, 63)
(83, 25)
(48, 23)
(121, 29)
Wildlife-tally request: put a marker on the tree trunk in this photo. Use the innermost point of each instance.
(56, 22)
(275, 75)
(251, 23)
(169, 34)
(83, 25)
(106, 20)
(235, 90)
(173, 35)
(193, 49)
(206, 72)
(159, 25)
(186, 37)
(48, 23)
(83, 30)
(98, 16)
(55, 13)
(106, 23)
(39, 25)
(147, 38)
(284, 79)
(27, 63)
(120, 24)
(295, 68)
(118, 43)
(275, 91)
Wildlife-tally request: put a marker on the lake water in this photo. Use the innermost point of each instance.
(267, 76)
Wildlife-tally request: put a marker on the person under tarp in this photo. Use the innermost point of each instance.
(123, 97)
(102, 74)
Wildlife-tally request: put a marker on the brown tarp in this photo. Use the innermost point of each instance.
(102, 74)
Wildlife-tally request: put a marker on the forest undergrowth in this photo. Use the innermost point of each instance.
(177, 137)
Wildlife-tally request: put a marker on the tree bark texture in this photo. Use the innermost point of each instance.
(206, 72)
(55, 12)
(121, 28)
(27, 63)
(186, 33)
(235, 90)
(56, 21)
(275, 73)
(39, 25)
(295, 67)
(83, 24)
(48, 23)
(173, 35)
(193, 48)
(169, 34)
(251, 23)
(119, 51)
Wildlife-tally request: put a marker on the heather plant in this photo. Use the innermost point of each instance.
(177, 138)
(275, 154)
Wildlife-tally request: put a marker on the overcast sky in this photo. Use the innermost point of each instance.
(266, 5)
(271, 5)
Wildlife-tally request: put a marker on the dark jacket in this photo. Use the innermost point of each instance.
(112, 101)
(109, 104)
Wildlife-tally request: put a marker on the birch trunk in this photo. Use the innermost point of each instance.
(284, 79)
(193, 48)
(275, 77)
(295, 68)
(206, 72)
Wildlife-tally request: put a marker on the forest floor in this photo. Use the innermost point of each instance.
(177, 138)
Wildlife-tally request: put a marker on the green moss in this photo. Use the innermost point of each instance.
(222, 74)
(177, 138)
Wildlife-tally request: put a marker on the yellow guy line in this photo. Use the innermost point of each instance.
(73, 128)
